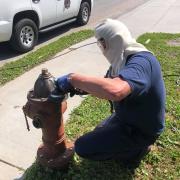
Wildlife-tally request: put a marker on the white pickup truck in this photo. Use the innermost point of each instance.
(22, 20)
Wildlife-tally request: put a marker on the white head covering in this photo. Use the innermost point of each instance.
(119, 42)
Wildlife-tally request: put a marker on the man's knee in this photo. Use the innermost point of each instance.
(79, 147)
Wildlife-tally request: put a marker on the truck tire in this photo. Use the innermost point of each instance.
(84, 13)
(24, 36)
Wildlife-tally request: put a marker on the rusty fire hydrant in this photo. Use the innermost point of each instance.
(46, 113)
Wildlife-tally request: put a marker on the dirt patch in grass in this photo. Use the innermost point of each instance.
(174, 42)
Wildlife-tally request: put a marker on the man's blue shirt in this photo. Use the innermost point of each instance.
(144, 108)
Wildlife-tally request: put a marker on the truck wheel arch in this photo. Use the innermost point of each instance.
(27, 14)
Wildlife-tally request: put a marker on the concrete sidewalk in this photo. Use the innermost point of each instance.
(154, 16)
(18, 146)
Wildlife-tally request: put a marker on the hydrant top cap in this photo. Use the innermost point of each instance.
(44, 71)
(44, 85)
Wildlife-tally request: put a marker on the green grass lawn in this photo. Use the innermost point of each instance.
(164, 160)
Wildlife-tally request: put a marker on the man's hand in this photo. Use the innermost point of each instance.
(63, 87)
(64, 84)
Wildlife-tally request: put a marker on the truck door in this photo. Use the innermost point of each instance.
(68, 9)
(47, 11)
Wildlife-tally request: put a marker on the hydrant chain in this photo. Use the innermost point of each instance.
(27, 124)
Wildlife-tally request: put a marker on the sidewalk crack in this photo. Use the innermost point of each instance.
(12, 165)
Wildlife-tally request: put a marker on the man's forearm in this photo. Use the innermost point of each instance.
(104, 88)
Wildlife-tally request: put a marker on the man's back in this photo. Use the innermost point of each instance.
(144, 109)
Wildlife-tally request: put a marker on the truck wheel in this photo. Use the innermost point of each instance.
(24, 36)
(84, 13)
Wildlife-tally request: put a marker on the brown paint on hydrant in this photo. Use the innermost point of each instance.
(56, 151)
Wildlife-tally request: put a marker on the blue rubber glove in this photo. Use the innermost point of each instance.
(64, 84)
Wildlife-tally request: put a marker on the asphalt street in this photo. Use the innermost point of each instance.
(102, 10)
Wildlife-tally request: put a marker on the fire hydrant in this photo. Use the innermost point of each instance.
(46, 113)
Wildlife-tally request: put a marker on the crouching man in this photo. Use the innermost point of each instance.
(134, 85)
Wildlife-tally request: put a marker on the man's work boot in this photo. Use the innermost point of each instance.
(133, 161)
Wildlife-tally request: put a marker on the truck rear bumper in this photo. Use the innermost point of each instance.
(5, 30)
